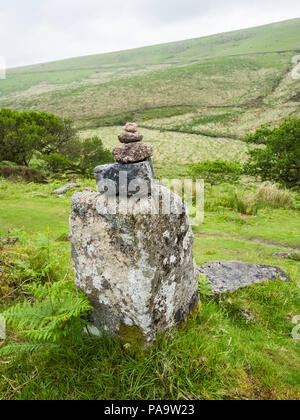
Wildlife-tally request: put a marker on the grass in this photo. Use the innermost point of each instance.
(173, 152)
(194, 101)
(240, 346)
(269, 38)
(171, 85)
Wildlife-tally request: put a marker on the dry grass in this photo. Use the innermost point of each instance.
(269, 195)
(171, 149)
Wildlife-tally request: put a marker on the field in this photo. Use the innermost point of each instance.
(240, 347)
(225, 84)
(194, 100)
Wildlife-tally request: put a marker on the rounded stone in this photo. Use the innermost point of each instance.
(132, 152)
(130, 137)
(131, 127)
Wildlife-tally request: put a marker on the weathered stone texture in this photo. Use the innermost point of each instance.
(134, 171)
(138, 269)
(229, 276)
(130, 137)
(131, 127)
(132, 152)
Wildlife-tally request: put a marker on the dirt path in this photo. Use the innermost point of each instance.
(296, 70)
(247, 239)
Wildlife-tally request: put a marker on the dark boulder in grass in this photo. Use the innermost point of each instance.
(229, 276)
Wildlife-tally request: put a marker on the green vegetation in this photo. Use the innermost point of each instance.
(238, 347)
(46, 141)
(217, 172)
(24, 133)
(224, 85)
(200, 104)
(280, 160)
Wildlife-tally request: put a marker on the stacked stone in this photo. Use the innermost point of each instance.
(132, 149)
(137, 268)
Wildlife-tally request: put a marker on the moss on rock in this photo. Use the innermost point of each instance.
(193, 315)
(132, 338)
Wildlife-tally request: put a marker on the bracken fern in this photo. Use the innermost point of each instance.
(55, 317)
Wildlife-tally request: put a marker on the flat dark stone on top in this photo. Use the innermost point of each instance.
(140, 170)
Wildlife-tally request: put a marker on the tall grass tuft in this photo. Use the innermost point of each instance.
(268, 195)
(245, 203)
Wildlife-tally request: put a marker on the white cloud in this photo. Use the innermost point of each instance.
(35, 31)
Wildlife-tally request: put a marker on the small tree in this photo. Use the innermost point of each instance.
(82, 159)
(279, 161)
(24, 133)
(93, 154)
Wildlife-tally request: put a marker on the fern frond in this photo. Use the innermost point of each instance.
(25, 348)
(56, 314)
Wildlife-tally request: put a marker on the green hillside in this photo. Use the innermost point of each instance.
(194, 101)
(222, 85)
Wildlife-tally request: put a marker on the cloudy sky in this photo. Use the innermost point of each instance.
(35, 31)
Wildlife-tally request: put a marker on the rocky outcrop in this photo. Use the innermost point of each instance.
(229, 276)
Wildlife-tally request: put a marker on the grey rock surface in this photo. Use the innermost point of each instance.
(134, 171)
(229, 276)
(138, 269)
(65, 188)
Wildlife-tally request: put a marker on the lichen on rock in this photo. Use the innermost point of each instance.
(137, 269)
(132, 248)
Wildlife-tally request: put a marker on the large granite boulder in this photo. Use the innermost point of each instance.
(136, 267)
(229, 276)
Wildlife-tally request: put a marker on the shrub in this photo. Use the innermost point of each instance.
(58, 163)
(50, 312)
(7, 163)
(217, 172)
(89, 153)
(22, 173)
(49, 142)
(93, 154)
(24, 133)
(246, 204)
(243, 202)
(279, 161)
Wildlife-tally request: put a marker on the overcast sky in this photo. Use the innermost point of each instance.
(35, 31)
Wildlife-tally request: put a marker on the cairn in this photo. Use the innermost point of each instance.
(137, 268)
(133, 150)
(133, 162)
